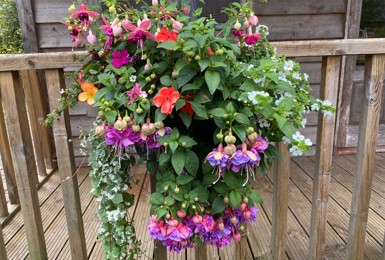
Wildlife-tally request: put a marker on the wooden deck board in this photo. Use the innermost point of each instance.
(302, 170)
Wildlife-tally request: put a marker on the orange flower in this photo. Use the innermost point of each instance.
(88, 94)
(166, 99)
(165, 35)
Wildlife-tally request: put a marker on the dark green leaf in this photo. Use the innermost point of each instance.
(186, 118)
(203, 64)
(199, 109)
(233, 181)
(166, 80)
(218, 112)
(184, 179)
(161, 212)
(187, 142)
(179, 103)
(185, 75)
(163, 158)
(241, 118)
(157, 198)
(178, 160)
(159, 116)
(213, 78)
(201, 39)
(173, 145)
(221, 188)
(169, 201)
(111, 117)
(235, 199)
(240, 131)
(256, 197)
(168, 45)
(218, 205)
(192, 162)
(209, 178)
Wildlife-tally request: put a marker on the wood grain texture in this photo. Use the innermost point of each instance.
(373, 82)
(294, 27)
(315, 7)
(201, 252)
(324, 151)
(6, 158)
(37, 113)
(66, 164)
(27, 24)
(3, 202)
(24, 161)
(280, 203)
(241, 247)
(53, 35)
(3, 252)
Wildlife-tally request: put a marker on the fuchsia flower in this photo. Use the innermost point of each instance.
(251, 39)
(84, 15)
(135, 93)
(139, 33)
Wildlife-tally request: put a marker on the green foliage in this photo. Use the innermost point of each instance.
(10, 33)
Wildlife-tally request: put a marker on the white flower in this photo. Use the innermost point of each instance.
(298, 137)
(263, 122)
(305, 76)
(251, 96)
(133, 78)
(289, 65)
(62, 91)
(282, 76)
(327, 103)
(279, 100)
(327, 113)
(295, 151)
(296, 75)
(315, 107)
(251, 66)
(308, 142)
(125, 187)
(303, 123)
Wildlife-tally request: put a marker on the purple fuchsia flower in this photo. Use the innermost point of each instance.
(179, 233)
(108, 31)
(249, 214)
(84, 15)
(135, 93)
(119, 139)
(177, 246)
(244, 159)
(139, 33)
(219, 160)
(157, 229)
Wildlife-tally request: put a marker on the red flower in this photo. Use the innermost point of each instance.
(187, 107)
(166, 99)
(165, 35)
(211, 53)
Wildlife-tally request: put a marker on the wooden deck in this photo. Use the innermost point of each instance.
(50, 197)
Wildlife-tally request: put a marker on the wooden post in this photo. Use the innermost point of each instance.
(24, 161)
(201, 252)
(6, 157)
(325, 137)
(3, 252)
(241, 247)
(27, 25)
(280, 203)
(373, 85)
(66, 165)
(3, 201)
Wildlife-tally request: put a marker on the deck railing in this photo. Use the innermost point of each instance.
(22, 110)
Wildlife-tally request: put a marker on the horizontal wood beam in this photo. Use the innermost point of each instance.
(57, 60)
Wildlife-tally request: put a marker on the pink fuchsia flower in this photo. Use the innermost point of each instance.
(260, 145)
(157, 229)
(249, 214)
(237, 33)
(135, 93)
(91, 38)
(117, 138)
(251, 39)
(120, 58)
(84, 15)
(253, 20)
(177, 26)
(166, 99)
(139, 33)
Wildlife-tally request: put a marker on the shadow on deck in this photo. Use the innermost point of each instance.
(301, 185)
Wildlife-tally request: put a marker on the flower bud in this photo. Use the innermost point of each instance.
(155, 3)
(237, 25)
(252, 137)
(173, 222)
(127, 119)
(230, 139)
(246, 24)
(245, 200)
(136, 128)
(250, 130)
(177, 26)
(242, 207)
(221, 226)
(120, 124)
(230, 149)
(117, 30)
(91, 38)
(148, 128)
(100, 130)
(226, 200)
(112, 10)
(233, 220)
(175, 74)
(159, 125)
(247, 214)
(176, 190)
(253, 20)
(181, 214)
(168, 216)
(148, 66)
(197, 219)
(77, 42)
(72, 8)
(236, 235)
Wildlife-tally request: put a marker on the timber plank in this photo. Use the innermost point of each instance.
(27, 22)
(24, 162)
(3, 201)
(3, 252)
(260, 245)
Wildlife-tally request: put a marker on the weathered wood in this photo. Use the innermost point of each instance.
(66, 164)
(3, 202)
(53, 35)
(325, 138)
(3, 252)
(241, 247)
(201, 252)
(6, 158)
(374, 80)
(27, 24)
(383, 250)
(34, 102)
(24, 161)
(280, 203)
(37, 114)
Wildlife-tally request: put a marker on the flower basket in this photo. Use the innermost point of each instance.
(202, 103)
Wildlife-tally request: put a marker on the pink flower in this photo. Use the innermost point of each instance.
(119, 58)
(135, 92)
(253, 20)
(91, 38)
(84, 15)
(251, 39)
(139, 33)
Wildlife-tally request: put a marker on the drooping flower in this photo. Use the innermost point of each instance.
(251, 39)
(253, 20)
(135, 93)
(119, 58)
(117, 138)
(91, 38)
(88, 94)
(218, 157)
(166, 99)
(84, 15)
(107, 31)
(165, 35)
(249, 214)
(260, 145)
(139, 33)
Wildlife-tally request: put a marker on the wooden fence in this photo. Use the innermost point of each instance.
(22, 110)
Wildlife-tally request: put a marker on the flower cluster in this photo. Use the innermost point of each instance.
(203, 103)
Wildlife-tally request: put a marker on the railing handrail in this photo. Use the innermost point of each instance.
(54, 60)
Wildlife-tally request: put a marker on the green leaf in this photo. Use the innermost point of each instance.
(179, 104)
(221, 188)
(169, 201)
(168, 45)
(256, 197)
(235, 199)
(241, 118)
(163, 158)
(118, 198)
(233, 180)
(218, 205)
(111, 117)
(286, 104)
(166, 80)
(203, 64)
(187, 142)
(157, 198)
(288, 129)
(192, 162)
(199, 109)
(218, 112)
(180, 64)
(213, 78)
(280, 120)
(209, 178)
(160, 212)
(184, 179)
(102, 92)
(159, 116)
(178, 161)
(186, 118)
(185, 75)
(173, 146)
(201, 39)
(203, 194)
(240, 131)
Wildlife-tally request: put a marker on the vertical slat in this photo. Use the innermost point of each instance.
(36, 115)
(383, 250)
(373, 84)
(3, 253)
(6, 157)
(241, 247)
(280, 203)
(3, 201)
(66, 165)
(324, 151)
(201, 252)
(24, 161)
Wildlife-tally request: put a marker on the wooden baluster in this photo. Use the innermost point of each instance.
(24, 161)
(373, 87)
(201, 252)
(3, 252)
(241, 247)
(325, 139)
(281, 181)
(6, 157)
(66, 165)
